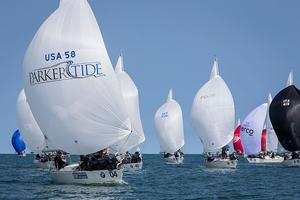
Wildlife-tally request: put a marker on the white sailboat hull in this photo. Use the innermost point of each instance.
(69, 175)
(133, 166)
(267, 159)
(173, 160)
(291, 163)
(44, 165)
(221, 163)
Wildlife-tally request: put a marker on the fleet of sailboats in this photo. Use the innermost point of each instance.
(74, 101)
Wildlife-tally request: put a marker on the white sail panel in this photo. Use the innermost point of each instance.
(251, 130)
(272, 141)
(280, 148)
(290, 80)
(131, 98)
(70, 84)
(212, 113)
(31, 132)
(215, 69)
(169, 126)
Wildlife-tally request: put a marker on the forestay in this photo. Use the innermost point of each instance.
(251, 130)
(70, 84)
(27, 125)
(169, 125)
(131, 97)
(212, 113)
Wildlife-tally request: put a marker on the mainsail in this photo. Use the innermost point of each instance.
(272, 141)
(212, 113)
(251, 130)
(169, 125)
(27, 125)
(70, 84)
(131, 97)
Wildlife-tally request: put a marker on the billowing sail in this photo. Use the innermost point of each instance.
(27, 125)
(264, 140)
(285, 117)
(18, 142)
(131, 98)
(212, 113)
(70, 84)
(251, 130)
(169, 125)
(272, 141)
(237, 144)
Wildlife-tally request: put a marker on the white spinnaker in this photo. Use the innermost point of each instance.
(251, 129)
(131, 98)
(78, 105)
(169, 125)
(212, 113)
(31, 132)
(272, 141)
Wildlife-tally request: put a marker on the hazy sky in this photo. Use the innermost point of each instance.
(170, 43)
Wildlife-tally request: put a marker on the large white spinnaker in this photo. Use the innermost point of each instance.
(70, 84)
(212, 113)
(272, 141)
(27, 125)
(131, 97)
(169, 125)
(251, 130)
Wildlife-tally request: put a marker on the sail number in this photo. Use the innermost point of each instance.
(164, 114)
(113, 174)
(60, 55)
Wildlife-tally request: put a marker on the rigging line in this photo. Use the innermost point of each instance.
(125, 141)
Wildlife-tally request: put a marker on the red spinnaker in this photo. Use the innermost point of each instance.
(237, 144)
(264, 141)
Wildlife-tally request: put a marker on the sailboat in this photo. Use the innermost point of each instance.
(212, 116)
(258, 140)
(169, 130)
(131, 97)
(251, 131)
(237, 143)
(284, 115)
(32, 134)
(73, 91)
(18, 143)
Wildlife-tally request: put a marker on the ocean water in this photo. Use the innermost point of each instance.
(20, 180)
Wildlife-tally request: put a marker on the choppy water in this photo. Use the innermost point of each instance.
(20, 180)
